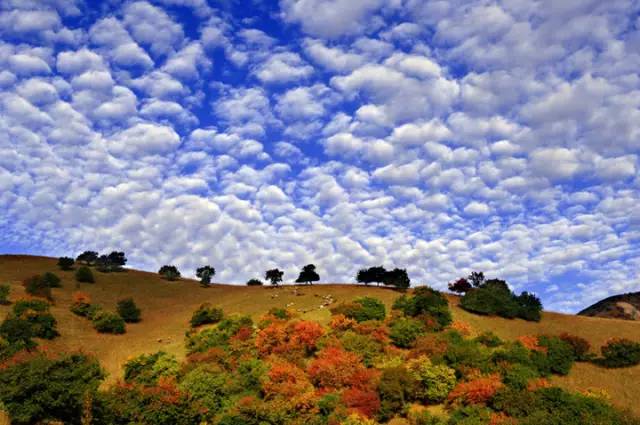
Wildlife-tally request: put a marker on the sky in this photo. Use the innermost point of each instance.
(437, 136)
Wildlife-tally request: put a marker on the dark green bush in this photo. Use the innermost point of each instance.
(28, 319)
(208, 388)
(280, 313)
(39, 286)
(489, 339)
(405, 330)
(518, 375)
(65, 263)
(580, 346)
(4, 294)
(427, 303)
(396, 388)
(169, 272)
(146, 369)
(218, 336)
(108, 322)
(620, 352)
(365, 346)
(128, 310)
(44, 389)
(465, 353)
(362, 309)
(52, 280)
(254, 282)
(495, 298)
(84, 274)
(206, 314)
(559, 353)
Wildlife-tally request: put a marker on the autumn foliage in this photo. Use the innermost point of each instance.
(476, 391)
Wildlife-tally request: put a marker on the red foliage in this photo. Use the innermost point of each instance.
(430, 345)
(334, 368)
(531, 342)
(538, 383)
(340, 322)
(165, 390)
(285, 379)
(213, 355)
(378, 332)
(364, 379)
(79, 297)
(364, 402)
(306, 334)
(289, 338)
(476, 391)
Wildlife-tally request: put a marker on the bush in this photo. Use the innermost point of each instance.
(43, 389)
(52, 280)
(254, 282)
(435, 381)
(620, 352)
(428, 303)
(128, 310)
(206, 314)
(495, 298)
(28, 319)
(65, 263)
(559, 353)
(404, 331)
(4, 294)
(207, 387)
(489, 339)
(363, 345)
(169, 272)
(108, 322)
(580, 346)
(85, 275)
(519, 375)
(81, 304)
(40, 285)
(476, 391)
(147, 369)
(362, 309)
(396, 388)
(219, 336)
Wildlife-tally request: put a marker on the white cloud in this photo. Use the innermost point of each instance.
(144, 139)
(283, 67)
(476, 209)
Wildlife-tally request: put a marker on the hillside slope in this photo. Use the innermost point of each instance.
(623, 306)
(167, 307)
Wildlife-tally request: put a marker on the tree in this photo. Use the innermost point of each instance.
(128, 310)
(274, 275)
(398, 278)
(117, 258)
(205, 273)
(65, 263)
(372, 274)
(308, 275)
(88, 257)
(169, 272)
(254, 282)
(84, 274)
(40, 286)
(476, 279)
(460, 286)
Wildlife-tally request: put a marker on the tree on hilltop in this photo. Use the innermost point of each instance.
(65, 263)
(460, 286)
(308, 275)
(88, 257)
(205, 273)
(169, 272)
(372, 274)
(274, 275)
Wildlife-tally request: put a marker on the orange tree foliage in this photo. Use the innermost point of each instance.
(340, 322)
(476, 391)
(334, 368)
(532, 343)
(289, 339)
(286, 380)
(364, 402)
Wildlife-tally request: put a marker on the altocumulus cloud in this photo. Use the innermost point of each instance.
(438, 137)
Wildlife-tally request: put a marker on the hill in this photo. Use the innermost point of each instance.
(167, 308)
(624, 306)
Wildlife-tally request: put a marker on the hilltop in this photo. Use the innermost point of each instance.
(167, 308)
(623, 306)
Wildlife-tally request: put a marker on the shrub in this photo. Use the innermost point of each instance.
(334, 368)
(620, 352)
(108, 322)
(219, 336)
(405, 330)
(87, 257)
(80, 304)
(40, 285)
(580, 346)
(494, 297)
(207, 387)
(147, 369)
(362, 401)
(559, 353)
(462, 354)
(362, 309)
(43, 389)
(65, 263)
(51, 280)
(28, 319)
(489, 339)
(426, 302)
(206, 314)
(169, 272)
(476, 391)
(435, 381)
(519, 375)
(274, 276)
(128, 310)
(396, 388)
(205, 273)
(363, 345)
(4, 294)
(85, 275)
(254, 282)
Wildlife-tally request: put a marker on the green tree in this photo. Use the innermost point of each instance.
(398, 278)
(88, 258)
(84, 274)
(274, 276)
(205, 273)
(169, 272)
(65, 263)
(128, 310)
(254, 282)
(308, 275)
(372, 274)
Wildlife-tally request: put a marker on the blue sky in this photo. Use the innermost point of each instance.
(441, 137)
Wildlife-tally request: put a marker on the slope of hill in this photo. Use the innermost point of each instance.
(167, 308)
(624, 306)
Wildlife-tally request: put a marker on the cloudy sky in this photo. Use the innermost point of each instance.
(437, 136)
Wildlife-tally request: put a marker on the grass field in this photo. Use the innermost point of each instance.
(167, 307)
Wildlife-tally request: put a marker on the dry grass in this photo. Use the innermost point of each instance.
(167, 307)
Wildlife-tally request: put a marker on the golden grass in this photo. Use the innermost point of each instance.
(167, 308)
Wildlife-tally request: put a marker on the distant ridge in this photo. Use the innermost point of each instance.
(623, 306)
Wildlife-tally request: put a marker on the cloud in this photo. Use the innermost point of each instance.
(283, 67)
(144, 139)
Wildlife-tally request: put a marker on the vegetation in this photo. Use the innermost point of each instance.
(308, 275)
(85, 275)
(128, 310)
(427, 304)
(362, 309)
(65, 263)
(620, 352)
(375, 274)
(40, 285)
(28, 319)
(205, 274)
(108, 322)
(254, 282)
(206, 314)
(274, 276)
(112, 262)
(169, 272)
(88, 258)
(5, 290)
(493, 297)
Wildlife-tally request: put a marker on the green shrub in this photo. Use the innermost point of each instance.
(51, 280)
(206, 314)
(254, 282)
(471, 415)
(28, 319)
(250, 374)
(4, 294)
(108, 322)
(559, 353)
(128, 310)
(362, 309)
(363, 345)
(65, 263)
(405, 330)
(84, 274)
(518, 376)
(207, 387)
(39, 286)
(489, 339)
(495, 298)
(44, 389)
(620, 352)
(580, 346)
(465, 353)
(146, 369)
(218, 336)
(428, 303)
(280, 313)
(169, 272)
(396, 388)
(435, 382)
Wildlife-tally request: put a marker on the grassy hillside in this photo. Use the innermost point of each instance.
(167, 307)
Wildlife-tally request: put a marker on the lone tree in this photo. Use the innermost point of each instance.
(65, 263)
(88, 257)
(460, 286)
(398, 278)
(372, 274)
(205, 273)
(112, 262)
(308, 275)
(476, 279)
(117, 259)
(169, 272)
(274, 275)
